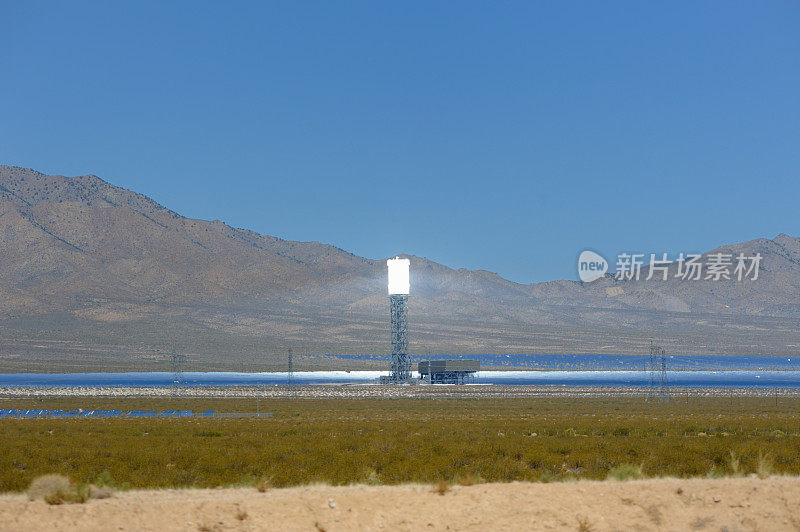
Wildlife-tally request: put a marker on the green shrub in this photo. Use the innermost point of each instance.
(53, 489)
(469, 480)
(57, 489)
(352, 441)
(441, 487)
(626, 472)
(736, 467)
(765, 466)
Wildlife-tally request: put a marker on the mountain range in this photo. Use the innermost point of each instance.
(96, 276)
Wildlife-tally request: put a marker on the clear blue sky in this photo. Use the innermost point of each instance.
(497, 135)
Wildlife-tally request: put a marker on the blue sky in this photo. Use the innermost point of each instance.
(496, 135)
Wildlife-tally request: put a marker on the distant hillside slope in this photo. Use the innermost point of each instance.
(90, 267)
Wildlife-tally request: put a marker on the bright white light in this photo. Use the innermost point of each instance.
(398, 275)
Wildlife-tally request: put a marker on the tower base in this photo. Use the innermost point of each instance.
(401, 360)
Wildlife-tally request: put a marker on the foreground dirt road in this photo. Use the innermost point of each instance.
(668, 504)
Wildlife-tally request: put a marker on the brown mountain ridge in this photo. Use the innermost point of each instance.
(96, 276)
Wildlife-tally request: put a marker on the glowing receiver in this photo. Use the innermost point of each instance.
(398, 275)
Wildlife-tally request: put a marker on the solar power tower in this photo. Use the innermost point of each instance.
(398, 308)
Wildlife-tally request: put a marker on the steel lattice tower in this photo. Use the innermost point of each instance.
(657, 373)
(290, 375)
(177, 362)
(401, 360)
(651, 371)
(663, 386)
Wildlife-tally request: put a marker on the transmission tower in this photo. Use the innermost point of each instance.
(657, 374)
(663, 386)
(177, 362)
(290, 374)
(650, 369)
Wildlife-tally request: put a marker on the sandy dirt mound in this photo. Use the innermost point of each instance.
(670, 504)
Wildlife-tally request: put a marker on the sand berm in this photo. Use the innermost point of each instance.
(654, 504)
